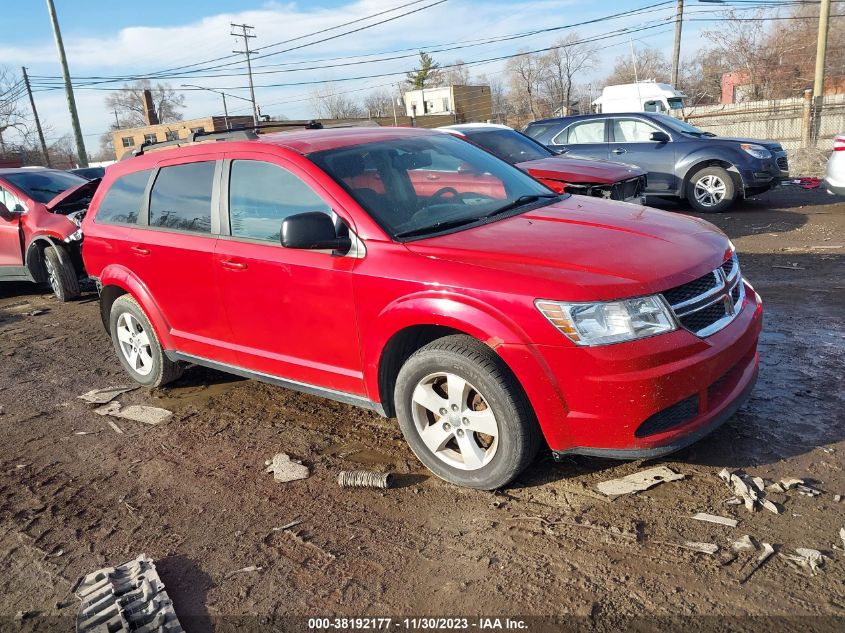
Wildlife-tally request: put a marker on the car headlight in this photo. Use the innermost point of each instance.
(76, 217)
(757, 151)
(609, 322)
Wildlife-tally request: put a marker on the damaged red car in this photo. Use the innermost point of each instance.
(580, 176)
(41, 213)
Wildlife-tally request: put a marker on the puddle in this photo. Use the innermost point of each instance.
(358, 453)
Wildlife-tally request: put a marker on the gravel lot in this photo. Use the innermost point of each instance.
(192, 493)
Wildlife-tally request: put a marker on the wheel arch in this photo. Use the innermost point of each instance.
(411, 323)
(116, 281)
(34, 258)
(701, 163)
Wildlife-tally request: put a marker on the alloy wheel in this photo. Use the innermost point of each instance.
(710, 190)
(53, 277)
(454, 421)
(134, 344)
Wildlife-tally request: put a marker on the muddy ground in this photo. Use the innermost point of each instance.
(192, 493)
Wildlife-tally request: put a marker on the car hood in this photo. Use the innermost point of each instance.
(74, 194)
(586, 249)
(731, 139)
(579, 170)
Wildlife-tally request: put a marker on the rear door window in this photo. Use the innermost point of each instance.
(582, 133)
(262, 195)
(122, 203)
(181, 197)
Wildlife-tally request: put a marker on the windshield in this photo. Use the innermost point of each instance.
(682, 126)
(420, 186)
(508, 145)
(675, 103)
(42, 185)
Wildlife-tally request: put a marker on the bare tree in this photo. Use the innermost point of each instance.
(13, 114)
(561, 65)
(457, 74)
(651, 64)
(498, 96)
(379, 103)
(329, 103)
(128, 103)
(524, 75)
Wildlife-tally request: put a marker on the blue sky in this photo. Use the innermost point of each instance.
(120, 38)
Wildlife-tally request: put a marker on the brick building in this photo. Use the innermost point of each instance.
(127, 139)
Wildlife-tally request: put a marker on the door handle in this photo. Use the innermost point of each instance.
(619, 150)
(233, 265)
(140, 250)
(432, 177)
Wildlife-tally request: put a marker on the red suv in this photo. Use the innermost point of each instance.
(41, 212)
(417, 275)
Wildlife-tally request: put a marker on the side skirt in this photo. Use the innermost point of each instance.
(331, 394)
(15, 273)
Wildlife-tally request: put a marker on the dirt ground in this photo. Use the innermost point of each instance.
(192, 493)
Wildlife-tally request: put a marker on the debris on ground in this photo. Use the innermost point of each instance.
(638, 482)
(104, 396)
(548, 526)
(244, 570)
(807, 491)
(135, 412)
(703, 548)
(364, 479)
(286, 469)
(287, 526)
(836, 498)
(712, 518)
(842, 536)
(756, 564)
(35, 312)
(806, 558)
(751, 492)
(129, 597)
(114, 427)
(744, 543)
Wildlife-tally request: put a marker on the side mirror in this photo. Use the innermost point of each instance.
(660, 137)
(6, 214)
(314, 231)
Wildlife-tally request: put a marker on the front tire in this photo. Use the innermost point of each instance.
(137, 345)
(711, 190)
(464, 415)
(60, 276)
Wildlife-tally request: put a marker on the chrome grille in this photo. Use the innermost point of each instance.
(707, 304)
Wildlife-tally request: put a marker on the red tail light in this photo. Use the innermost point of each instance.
(839, 144)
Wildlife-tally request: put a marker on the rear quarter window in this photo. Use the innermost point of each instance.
(122, 202)
(181, 197)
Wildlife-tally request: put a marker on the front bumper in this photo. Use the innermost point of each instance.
(761, 175)
(611, 392)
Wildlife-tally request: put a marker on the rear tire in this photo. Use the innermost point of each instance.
(464, 414)
(711, 190)
(60, 276)
(137, 345)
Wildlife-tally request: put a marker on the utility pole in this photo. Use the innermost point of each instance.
(821, 53)
(71, 102)
(37, 120)
(246, 33)
(676, 54)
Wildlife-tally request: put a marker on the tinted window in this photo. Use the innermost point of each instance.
(181, 197)
(632, 131)
(122, 201)
(261, 195)
(508, 145)
(11, 202)
(584, 132)
(536, 130)
(42, 185)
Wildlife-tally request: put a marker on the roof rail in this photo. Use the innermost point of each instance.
(221, 135)
(193, 137)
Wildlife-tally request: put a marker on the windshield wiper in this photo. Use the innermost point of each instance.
(451, 224)
(521, 201)
(438, 226)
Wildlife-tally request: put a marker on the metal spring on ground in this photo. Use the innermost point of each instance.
(364, 479)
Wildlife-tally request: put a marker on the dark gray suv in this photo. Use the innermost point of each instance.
(681, 160)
